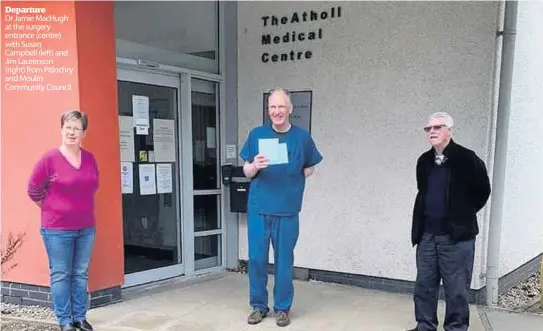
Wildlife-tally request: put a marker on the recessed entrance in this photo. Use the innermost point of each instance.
(149, 106)
(172, 197)
(169, 104)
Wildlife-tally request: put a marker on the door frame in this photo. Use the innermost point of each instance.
(204, 263)
(147, 276)
(184, 78)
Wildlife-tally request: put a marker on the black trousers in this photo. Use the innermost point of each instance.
(439, 258)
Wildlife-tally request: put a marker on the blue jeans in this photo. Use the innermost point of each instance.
(283, 232)
(439, 258)
(69, 254)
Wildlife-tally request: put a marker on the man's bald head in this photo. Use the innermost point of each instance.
(284, 92)
(280, 108)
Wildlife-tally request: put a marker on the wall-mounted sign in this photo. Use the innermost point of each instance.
(273, 36)
(301, 109)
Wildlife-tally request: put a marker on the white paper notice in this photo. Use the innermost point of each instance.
(151, 156)
(126, 137)
(211, 141)
(142, 130)
(140, 109)
(231, 152)
(127, 178)
(198, 151)
(164, 178)
(164, 140)
(147, 179)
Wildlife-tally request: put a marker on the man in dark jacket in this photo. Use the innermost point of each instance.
(453, 185)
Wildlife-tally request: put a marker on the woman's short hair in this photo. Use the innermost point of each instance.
(75, 115)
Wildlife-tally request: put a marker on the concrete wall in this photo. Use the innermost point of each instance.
(376, 74)
(522, 232)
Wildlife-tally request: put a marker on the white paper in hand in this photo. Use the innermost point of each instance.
(269, 148)
(282, 154)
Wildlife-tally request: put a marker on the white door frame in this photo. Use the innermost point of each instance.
(138, 76)
(184, 78)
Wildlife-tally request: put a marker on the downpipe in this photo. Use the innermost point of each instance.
(500, 154)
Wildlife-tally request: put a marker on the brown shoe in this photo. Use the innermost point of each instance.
(256, 317)
(282, 319)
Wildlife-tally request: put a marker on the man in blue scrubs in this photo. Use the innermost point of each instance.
(278, 158)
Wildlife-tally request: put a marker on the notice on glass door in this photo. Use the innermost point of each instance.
(211, 138)
(126, 138)
(164, 178)
(140, 109)
(164, 140)
(147, 179)
(127, 178)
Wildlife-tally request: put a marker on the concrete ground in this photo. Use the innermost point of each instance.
(497, 320)
(221, 304)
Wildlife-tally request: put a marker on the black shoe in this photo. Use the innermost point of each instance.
(67, 327)
(83, 326)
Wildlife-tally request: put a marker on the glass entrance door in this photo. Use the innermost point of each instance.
(150, 169)
(208, 228)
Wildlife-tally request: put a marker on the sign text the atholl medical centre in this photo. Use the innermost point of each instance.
(273, 23)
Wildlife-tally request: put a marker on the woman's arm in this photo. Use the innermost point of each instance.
(38, 181)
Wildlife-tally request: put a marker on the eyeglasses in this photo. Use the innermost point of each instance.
(434, 127)
(76, 131)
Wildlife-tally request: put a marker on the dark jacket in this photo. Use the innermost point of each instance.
(468, 189)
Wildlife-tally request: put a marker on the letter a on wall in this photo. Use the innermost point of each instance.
(301, 109)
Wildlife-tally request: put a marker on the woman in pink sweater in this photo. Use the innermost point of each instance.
(63, 184)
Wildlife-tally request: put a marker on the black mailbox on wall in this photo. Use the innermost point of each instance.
(239, 187)
(239, 196)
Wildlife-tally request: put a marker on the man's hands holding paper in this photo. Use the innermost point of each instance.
(260, 162)
(270, 152)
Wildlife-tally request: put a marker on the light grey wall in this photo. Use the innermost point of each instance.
(177, 26)
(375, 76)
(231, 123)
(522, 231)
(168, 32)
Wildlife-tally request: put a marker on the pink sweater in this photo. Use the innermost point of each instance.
(67, 193)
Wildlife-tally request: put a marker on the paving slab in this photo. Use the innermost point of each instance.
(499, 320)
(221, 304)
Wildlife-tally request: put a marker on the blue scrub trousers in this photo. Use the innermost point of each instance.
(283, 232)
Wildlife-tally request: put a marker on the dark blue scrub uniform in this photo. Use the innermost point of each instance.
(275, 200)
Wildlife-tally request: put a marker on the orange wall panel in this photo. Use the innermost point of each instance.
(98, 98)
(30, 125)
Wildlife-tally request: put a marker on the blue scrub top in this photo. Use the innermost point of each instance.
(278, 189)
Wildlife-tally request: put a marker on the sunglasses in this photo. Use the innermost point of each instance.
(435, 127)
